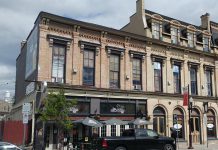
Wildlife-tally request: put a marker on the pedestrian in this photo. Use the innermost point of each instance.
(173, 133)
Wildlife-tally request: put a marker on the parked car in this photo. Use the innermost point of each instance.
(137, 139)
(8, 146)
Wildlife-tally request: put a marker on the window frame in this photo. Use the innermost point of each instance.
(114, 71)
(160, 78)
(194, 68)
(209, 85)
(156, 30)
(178, 80)
(174, 35)
(206, 45)
(59, 45)
(190, 40)
(86, 49)
(137, 70)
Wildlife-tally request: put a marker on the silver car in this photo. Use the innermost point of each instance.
(8, 146)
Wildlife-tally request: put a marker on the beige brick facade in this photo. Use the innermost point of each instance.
(137, 38)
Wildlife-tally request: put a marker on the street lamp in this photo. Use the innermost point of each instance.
(189, 120)
(205, 105)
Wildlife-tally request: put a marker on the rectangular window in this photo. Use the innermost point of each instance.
(88, 67)
(122, 128)
(174, 35)
(190, 39)
(114, 71)
(176, 78)
(209, 82)
(113, 130)
(158, 76)
(58, 63)
(206, 44)
(193, 75)
(103, 131)
(136, 70)
(156, 30)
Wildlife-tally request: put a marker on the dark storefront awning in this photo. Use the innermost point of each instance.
(140, 121)
(88, 122)
(115, 121)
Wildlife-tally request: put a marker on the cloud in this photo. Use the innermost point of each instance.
(17, 20)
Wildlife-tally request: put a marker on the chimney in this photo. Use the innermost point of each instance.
(140, 6)
(22, 43)
(140, 11)
(205, 21)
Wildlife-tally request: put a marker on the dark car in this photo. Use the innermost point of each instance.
(137, 139)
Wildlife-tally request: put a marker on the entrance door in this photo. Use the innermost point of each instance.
(159, 125)
(195, 126)
(159, 121)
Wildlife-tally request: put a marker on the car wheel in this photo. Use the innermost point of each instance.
(168, 147)
(120, 148)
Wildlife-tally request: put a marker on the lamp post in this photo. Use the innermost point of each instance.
(189, 120)
(205, 105)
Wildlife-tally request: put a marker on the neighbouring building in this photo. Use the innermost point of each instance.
(117, 73)
(5, 109)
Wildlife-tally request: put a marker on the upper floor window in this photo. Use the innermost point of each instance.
(190, 40)
(174, 35)
(177, 78)
(193, 77)
(58, 63)
(209, 82)
(158, 76)
(88, 67)
(114, 71)
(136, 70)
(206, 44)
(156, 30)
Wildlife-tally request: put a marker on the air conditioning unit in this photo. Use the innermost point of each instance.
(137, 87)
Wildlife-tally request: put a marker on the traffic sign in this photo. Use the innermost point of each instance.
(26, 108)
(25, 118)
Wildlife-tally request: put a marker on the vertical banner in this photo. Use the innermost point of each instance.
(185, 96)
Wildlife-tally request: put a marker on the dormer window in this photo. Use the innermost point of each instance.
(156, 30)
(190, 39)
(206, 44)
(174, 35)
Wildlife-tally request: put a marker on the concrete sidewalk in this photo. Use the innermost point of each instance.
(211, 146)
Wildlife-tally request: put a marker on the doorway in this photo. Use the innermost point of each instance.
(195, 126)
(159, 121)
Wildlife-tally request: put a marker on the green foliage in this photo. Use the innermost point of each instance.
(56, 108)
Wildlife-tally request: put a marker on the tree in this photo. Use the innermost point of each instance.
(57, 108)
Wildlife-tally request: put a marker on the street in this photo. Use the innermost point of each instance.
(212, 145)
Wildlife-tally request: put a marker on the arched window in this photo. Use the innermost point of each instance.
(178, 122)
(159, 120)
(211, 124)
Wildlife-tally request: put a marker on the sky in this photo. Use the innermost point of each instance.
(17, 19)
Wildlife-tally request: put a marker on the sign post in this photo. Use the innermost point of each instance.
(26, 110)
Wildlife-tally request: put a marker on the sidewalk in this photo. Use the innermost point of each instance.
(211, 146)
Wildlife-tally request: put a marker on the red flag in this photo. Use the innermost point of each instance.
(185, 96)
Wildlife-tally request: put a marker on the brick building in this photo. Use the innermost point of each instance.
(117, 73)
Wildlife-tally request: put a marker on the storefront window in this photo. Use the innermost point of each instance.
(82, 108)
(117, 108)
